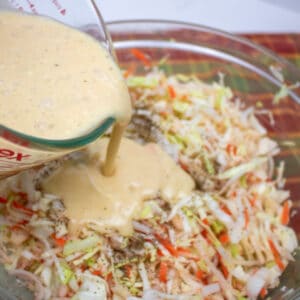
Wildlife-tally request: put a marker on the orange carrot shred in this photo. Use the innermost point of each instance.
(224, 238)
(3, 200)
(183, 166)
(97, 273)
(167, 245)
(252, 201)
(23, 195)
(233, 194)
(109, 278)
(263, 292)
(60, 242)
(199, 274)
(205, 221)
(171, 91)
(159, 252)
(19, 225)
(25, 209)
(285, 215)
(163, 113)
(141, 56)
(231, 149)
(187, 253)
(129, 71)
(276, 255)
(163, 272)
(226, 210)
(182, 251)
(127, 270)
(224, 270)
(206, 236)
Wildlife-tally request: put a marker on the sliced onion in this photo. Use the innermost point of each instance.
(144, 276)
(256, 282)
(141, 227)
(211, 289)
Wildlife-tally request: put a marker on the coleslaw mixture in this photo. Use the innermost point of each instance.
(227, 240)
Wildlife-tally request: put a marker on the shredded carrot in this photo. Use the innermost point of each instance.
(222, 266)
(167, 245)
(97, 273)
(109, 278)
(233, 194)
(276, 255)
(224, 238)
(251, 178)
(184, 98)
(163, 272)
(231, 149)
(25, 209)
(159, 253)
(129, 71)
(279, 263)
(83, 268)
(247, 218)
(226, 210)
(252, 201)
(59, 242)
(183, 166)
(19, 225)
(187, 253)
(224, 270)
(263, 292)
(205, 235)
(183, 251)
(171, 91)
(127, 270)
(163, 113)
(23, 195)
(3, 200)
(285, 215)
(141, 56)
(199, 274)
(205, 221)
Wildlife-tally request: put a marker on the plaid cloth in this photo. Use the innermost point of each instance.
(287, 46)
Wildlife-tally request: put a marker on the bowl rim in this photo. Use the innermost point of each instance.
(196, 26)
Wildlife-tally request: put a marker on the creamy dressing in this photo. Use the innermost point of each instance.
(143, 172)
(55, 81)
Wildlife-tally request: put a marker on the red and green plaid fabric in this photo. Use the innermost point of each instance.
(286, 45)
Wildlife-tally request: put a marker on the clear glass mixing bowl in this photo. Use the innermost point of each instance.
(248, 70)
(206, 52)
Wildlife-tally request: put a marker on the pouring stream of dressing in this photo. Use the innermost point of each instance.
(142, 173)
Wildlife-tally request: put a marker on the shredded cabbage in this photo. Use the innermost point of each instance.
(227, 239)
(80, 245)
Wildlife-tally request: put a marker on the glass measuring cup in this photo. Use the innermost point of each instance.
(19, 151)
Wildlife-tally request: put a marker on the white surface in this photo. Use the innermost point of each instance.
(229, 15)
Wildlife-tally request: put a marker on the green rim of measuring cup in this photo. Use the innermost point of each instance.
(67, 143)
